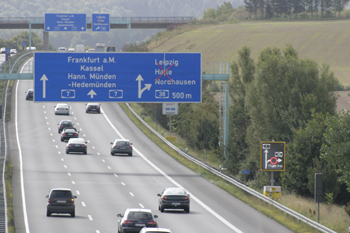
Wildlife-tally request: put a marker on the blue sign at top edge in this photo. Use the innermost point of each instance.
(118, 77)
(100, 22)
(65, 22)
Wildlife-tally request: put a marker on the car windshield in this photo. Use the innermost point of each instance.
(66, 123)
(140, 215)
(69, 130)
(175, 192)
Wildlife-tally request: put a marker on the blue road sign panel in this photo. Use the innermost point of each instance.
(118, 77)
(245, 172)
(100, 22)
(65, 22)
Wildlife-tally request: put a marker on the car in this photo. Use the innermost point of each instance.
(30, 48)
(71, 50)
(93, 107)
(121, 146)
(90, 50)
(64, 124)
(68, 133)
(134, 219)
(62, 109)
(29, 94)
(155, 230)
(61, 49)
(174, 198)
(13, 51)
(60, 201)
(3, 50)
(76, 145)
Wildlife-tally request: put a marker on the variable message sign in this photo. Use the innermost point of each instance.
(119, 77)
(272, 156)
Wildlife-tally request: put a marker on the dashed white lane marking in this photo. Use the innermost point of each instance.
(109, 167)
(69, 174)
(65, 166)
(53, 140)
(59, 152)
(62, 159)
(122, 183)
(132, 194)
(141, 206)
(56, 146)
(103, 160)
(78, 193)
(73, 182)
(90, 217)
(83, 204)
(115, 175)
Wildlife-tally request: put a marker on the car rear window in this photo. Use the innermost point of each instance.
(61, 194)
(140, 215)
(121, 143)
(175, 192)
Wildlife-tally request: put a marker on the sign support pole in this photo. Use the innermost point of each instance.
(272, 179)
(30, 36)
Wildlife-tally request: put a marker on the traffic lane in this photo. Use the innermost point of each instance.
(223, 205)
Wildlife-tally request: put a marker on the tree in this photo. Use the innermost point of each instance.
(283, 95)
(339, 5)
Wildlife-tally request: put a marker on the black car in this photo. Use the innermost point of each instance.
(29, 94)
(76, 145)
(174, 198)
(133, 220)
(64, 124)
(60, 201)
(93, 107)
(121, 146)
(68, 133)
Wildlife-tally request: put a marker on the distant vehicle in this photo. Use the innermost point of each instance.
(93, 107)
(155, 230)
(3, 50)
(133, 220)
(30, 48)
(29, 94)
(79, 48)
(110, 49)
(100, 47)
(174, 198)
(76, 145)
(121, 146)
(64, 124)
(61, 49)
(71, 50)
(69, 133)
(90, 50)
(60, 201)
(62, 109)
(13, 51)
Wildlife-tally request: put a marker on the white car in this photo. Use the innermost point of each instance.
(61, 49)
(3, 50)
(90, 50)
(155, 230)
(13, 51)
(62, 109)
(71, 50)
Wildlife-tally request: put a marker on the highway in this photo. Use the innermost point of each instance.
(106, 185)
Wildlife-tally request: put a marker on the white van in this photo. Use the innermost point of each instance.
(79, 48)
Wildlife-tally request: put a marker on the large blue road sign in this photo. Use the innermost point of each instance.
(100, 22)
(118, 77)
(65, 22)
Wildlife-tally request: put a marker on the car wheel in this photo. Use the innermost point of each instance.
(87, 111)
(62, 140)
(85, 152)
(73, 213)
(161, 209)
(187, 210)
(67, 152)
(112, 153)
(48, 213)
(130, 154)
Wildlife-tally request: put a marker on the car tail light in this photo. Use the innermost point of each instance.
(98, 106)
(129, 146)
(165, 198)
(49, 201)
(61, 126)
(76, 134)
(72, 200)
(186, 198)
(127, 221)
(66, 108)
(115, 146)
(69, 145)
(64, 134)
(84, 145)
(152, 223)
(57, 109)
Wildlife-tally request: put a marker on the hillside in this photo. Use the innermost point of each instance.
(323, 41)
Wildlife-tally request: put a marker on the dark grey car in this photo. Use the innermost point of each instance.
(60, 201)
(93, 107)
(76, 145)
(174, 198)
(134, 219)
(69, 133)
(121, 146)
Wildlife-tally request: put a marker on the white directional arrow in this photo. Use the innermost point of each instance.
(147, 86)
(92, 93)
(44, 79)
(279, 160)
(65, 28)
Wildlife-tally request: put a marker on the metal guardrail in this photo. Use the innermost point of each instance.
(237, 183)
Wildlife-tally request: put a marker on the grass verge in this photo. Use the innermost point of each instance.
(270, 211)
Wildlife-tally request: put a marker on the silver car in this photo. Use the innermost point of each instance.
(62, 109)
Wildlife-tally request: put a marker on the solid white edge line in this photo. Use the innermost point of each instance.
(227, 223)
